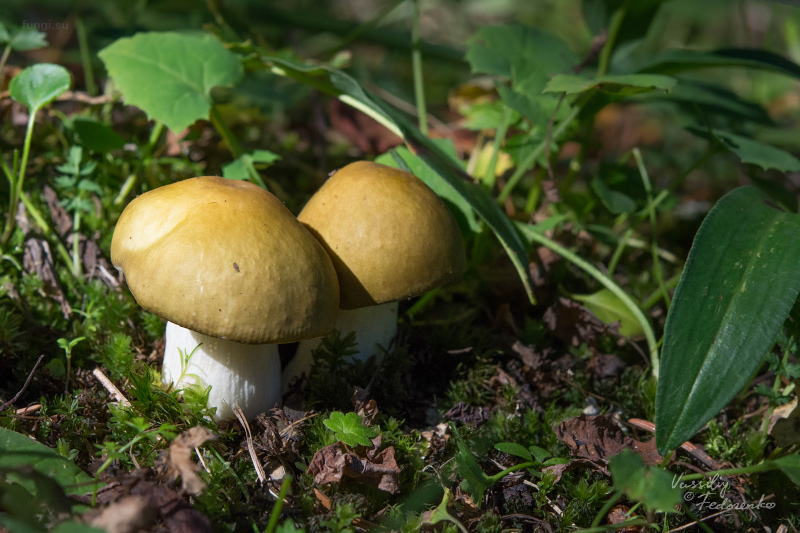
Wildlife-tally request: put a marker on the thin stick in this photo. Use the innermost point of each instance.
(262, 476)
(111, 388)
(25, 386)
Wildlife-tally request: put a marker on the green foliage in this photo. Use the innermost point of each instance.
(118, 355)
(175, 88)
(350, 429)
(18, 451)
(649, 485)
(21, 39)
(737, 288)
(39, 85)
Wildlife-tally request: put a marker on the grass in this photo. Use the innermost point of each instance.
(471, 395)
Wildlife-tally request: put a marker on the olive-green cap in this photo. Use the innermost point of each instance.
(227, 259)
(389, 235)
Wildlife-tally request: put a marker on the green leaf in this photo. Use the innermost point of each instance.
(674, 61)
(97, 137)
(475, 481)
(750, 151)
(636, 21)
(622, 85)
(712, 99)
(22, 39)
(528, 57)
(459, 206)
(790, 465)
(350, 429)
(447, 170)
(738, 286)
(18, 450)
(39, 85)
(170, 75)
(240, 168)
(649, 485)
(512, 448)
(615, 201)
(609, 308)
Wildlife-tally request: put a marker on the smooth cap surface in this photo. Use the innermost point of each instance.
(227, 259)
(389, 235)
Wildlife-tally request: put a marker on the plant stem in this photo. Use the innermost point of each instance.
(604, 280)
(416, 65)
(613, 31)
(76, 256)
(752, 469)
(653, 226)
(86, 61)
(531, 159)
(276, 509)
(3, 59)
(500, 136)
(604, 510)
(362, 29)
(225, 132)
(16, 191)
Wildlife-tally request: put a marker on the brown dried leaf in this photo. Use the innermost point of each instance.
(467, 414)
(572, 323)
(617, 515)
(333, 463)
(126, 515)
(559, 470)
(598, 437)
(180, 462)
(784, 424)
(606, 365)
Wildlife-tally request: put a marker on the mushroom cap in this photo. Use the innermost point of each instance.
(227, 259)
(389, 235)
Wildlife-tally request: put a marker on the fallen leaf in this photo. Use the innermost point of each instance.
(333, 463)
(606, 365)
(617, 515)
(572, 323)
(598, 437)
(126, 515)
(784, 424)
(559, 469)
(467, 414)
(180, 462)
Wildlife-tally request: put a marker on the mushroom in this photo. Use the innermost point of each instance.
(234, 273)
(390, 237)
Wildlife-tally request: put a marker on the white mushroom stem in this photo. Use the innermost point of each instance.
(375, 325)
(247, 374)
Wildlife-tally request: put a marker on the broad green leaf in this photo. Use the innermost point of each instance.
(39, 85)
(512, 448)
(649, 485)
(170, 75)
(739, 283)
(448, 170)
(18, 450)
(673, 61)
(615, 201)
(608, 308)
(22, 39)
(750, 151)
(459, 206)
(350, 429)
(790, 465)
(527, 57)
(621, 85)
(474, 479)
(97, 137)
(712, 99)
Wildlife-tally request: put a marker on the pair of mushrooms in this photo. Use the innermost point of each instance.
(235, 273)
